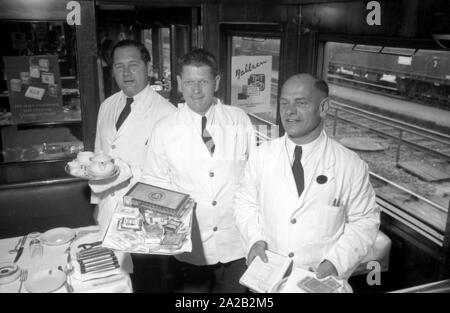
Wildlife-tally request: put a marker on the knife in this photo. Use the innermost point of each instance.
(19, 252)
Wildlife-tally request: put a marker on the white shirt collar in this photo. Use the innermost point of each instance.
(307, 149)
(197, 118)
(136, 97)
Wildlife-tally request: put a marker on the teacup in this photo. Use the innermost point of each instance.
(84, 157)
(101, 165)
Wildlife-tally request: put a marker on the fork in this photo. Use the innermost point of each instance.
(23, 277)
(67, 284)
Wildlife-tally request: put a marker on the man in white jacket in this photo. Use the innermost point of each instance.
(201, 149)
(304, 195)
(125, 123)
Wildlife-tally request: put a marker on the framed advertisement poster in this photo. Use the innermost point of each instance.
(251, 83)
(34, 88)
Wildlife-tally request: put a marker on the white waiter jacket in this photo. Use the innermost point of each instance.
(178, 159)
(335, 218)
(129, 143)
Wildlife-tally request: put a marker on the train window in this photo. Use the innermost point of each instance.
(160, 72)
(164, 72)
(392, 107)
(265, 107)
(157, 42)
(40, 113)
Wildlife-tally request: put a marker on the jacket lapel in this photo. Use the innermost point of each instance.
(283, 172)
(140, 110)
(322, 168)
(224, 135)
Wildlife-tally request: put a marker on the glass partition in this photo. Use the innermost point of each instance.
(40, 113)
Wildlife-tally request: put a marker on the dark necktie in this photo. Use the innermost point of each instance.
(207, 139)
(125, 112)
(297, 170)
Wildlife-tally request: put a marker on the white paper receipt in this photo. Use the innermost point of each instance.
(261, 277)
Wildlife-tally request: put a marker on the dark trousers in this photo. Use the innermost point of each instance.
(150, 273)
(220, 277)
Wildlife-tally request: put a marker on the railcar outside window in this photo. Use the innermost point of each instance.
(392, 106)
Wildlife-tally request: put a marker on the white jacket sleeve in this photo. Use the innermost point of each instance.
(100, 189)
(246, 206)
(251, 134)
(362, 223)
(98, 142)
(96, 196)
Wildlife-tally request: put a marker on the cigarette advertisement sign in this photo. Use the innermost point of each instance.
(34, 88)
(251, 83)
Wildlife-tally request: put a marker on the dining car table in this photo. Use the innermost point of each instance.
(51, 262)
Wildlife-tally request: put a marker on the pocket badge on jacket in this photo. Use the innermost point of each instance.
(321, 179)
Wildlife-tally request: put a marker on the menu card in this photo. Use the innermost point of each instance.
(262, 277)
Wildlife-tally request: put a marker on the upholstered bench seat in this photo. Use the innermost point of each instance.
(380, 253)
(40, 206)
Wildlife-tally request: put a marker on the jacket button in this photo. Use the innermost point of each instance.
(113, 147)
(211, 174)
(293, 221)
(291, 254)
(215, 228)
(214, 202)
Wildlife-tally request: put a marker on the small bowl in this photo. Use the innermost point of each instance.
(9, 272)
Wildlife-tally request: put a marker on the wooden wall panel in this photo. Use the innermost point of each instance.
(33, 10)
(87, 72)
(210, 17)
(399, 18)
(286, 16)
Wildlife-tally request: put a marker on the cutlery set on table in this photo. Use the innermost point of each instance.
(93, 262)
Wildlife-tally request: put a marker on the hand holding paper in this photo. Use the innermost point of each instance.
(263, 276)
(326, 268)
(258, 249)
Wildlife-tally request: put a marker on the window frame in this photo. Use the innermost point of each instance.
(266, 30)
(413, 43)
(86, 56)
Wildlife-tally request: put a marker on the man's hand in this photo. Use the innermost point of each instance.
(258, 249)
(326, 268)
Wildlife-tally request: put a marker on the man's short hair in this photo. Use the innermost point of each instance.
(145, 55)
(199, 57)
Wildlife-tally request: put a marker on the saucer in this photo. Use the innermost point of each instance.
(87, 175)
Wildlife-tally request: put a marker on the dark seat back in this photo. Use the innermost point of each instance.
(40, 206)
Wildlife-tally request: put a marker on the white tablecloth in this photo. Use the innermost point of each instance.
(54, 256)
